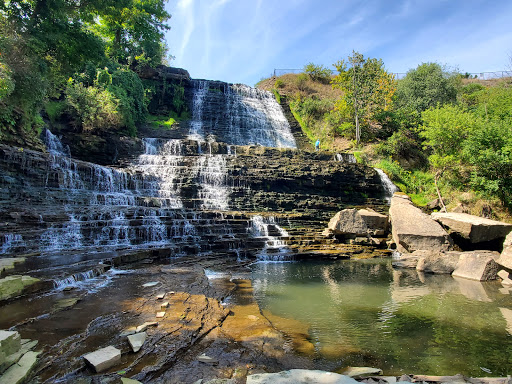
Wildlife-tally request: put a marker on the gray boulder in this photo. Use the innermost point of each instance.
(414, 230)
(475, 229)
(506, 256)
(300, 376)
(358, 223)
(406, 260)
(357, 372)
(137, 340)
(477, 265)
(437, 262)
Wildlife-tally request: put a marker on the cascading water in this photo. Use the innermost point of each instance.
(239, 115)
(267, 229)
(387, 184)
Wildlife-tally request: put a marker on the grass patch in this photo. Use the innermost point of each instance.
(54, 110)
(157, 122)
(277, 95)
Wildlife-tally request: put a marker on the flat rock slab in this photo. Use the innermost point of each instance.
(18, 372)
(150, 284)
(473, 228)
(7, 264)
(125, 380)
(207, 359)
(104, 358)
(300, 376)
(478, 265)
(362, 371)
(146, 325)
(160, 315)
(137, 340)
(414, 230)
(10, 342)
(12, 286)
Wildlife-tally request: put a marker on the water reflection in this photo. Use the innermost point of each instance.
(365, 313)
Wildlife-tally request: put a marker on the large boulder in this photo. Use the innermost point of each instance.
(478, 265)
(437, 262)
(474, 229)
(414, 230)
(506, 256)
(353, 223)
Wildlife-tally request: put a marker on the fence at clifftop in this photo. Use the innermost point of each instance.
(399, 76)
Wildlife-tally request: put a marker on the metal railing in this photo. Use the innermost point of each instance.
(399, 76)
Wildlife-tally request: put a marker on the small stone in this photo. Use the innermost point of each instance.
(172, 293)
(103, 358)
(207, 359)
(128, 331)
(125, 380)
(146, 325)
(405, 378)
(160, 296)
(164, 305)
(362, 371)
(159, 315)
(150, 284)
(137, 340)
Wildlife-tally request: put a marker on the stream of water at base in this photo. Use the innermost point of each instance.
(365, 313)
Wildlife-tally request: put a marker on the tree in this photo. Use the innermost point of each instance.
(368, 89)
(426, 87)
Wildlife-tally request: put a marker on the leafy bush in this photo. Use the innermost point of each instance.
(318, 73)
(93, 108)
(426, 87)
(279, 84)
(301, 81)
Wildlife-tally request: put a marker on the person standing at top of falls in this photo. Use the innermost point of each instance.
(317, 145)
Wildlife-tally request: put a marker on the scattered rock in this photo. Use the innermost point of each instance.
(473, 228)
(477, 265)
(137, 340)
(505, 278)
(506, 256)
(413, 230)
(18, 372)
(150, 284)
(125, 380)
(10, 342)
(354, 223)
(405, 378)
(128, 331)
(104, 358)
(160, 296)
(12, 286)
(357, 372)
(300, 376)
(406, 260)
(7, 264)
(146, 325)
(164, 305)
(207, 359)
(159, 315)
(436, 261)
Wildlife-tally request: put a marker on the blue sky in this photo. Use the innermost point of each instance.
(242, 41)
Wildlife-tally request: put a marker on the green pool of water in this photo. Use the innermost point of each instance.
(365, 313)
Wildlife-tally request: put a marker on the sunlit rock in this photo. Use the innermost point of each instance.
(300, 376)
(436, 261)
(414, 230)
(104, 358)
(362, 371)
(477, 265)
(137, 340)
(12, 286)
(506, 256)
(475, 229)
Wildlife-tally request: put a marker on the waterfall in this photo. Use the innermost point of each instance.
(213, 189)
(238, 115)
(387, 184)
(275, 248)
(345, 158)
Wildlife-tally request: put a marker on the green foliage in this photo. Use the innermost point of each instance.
(162, 122)
(403, 144)
(318, 73)
(426, 87)
(277, 95)
(93, 108)
(302, 80)
(279, 84)
(6, 81)
(55, 109)
(367, 90)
